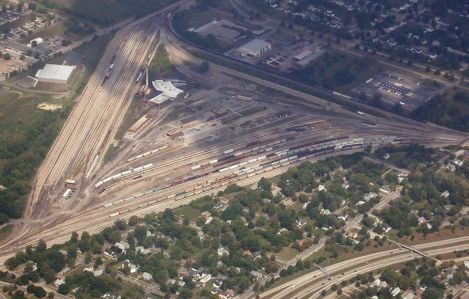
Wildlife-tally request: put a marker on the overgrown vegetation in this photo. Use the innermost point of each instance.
(26, 134)
(450, 110)
(335, 69)
(408, 156)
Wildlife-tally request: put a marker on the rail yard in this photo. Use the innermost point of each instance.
(234, 129)
(233, 149)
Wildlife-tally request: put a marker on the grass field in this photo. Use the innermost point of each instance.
(287, 253)
(189, 212)
(160, 64)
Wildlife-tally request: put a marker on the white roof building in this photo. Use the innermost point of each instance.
(55, 73)
(222, 251)
(303, 55)
(142, 250)
(37, 41)
(205, 278)
(254, 48)
(97, 272)
(58, 282)
(222, 29)
(147, 276)
(167, 88)
(376, 282)
(322, 188)
(369, 196)
(385, 189)
(395, 291)
(256, 275)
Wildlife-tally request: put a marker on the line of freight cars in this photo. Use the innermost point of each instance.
(218, 182)
(299, 156)
(234, 157)
(268, 147)
(194, 177)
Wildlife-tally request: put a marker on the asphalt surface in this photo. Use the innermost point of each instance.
(311, 284)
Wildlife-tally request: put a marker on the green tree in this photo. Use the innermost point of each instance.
(64, 289)
(41, 246)
(432, 293)
(185, 293)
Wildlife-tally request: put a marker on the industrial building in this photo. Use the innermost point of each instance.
(307, 56)
(223, 30)
(55, 73)
(160, 99)
(254, 48)
(167, 88)
(167, 91)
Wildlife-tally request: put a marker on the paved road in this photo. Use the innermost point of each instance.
(322, 242)
(311, 283)
(408, 125)
(93, 134)
(417, 69)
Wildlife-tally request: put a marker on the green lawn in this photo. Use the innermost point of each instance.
(160, 64)
(188, 212)
(287, 253)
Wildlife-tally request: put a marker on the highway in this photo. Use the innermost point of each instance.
(311, 284)
(242, 156)
(322, 242)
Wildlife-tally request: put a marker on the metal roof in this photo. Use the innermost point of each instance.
(254, 46)
(55, 72)
(167, 88)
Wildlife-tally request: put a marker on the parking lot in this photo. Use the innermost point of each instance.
(397, 88)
